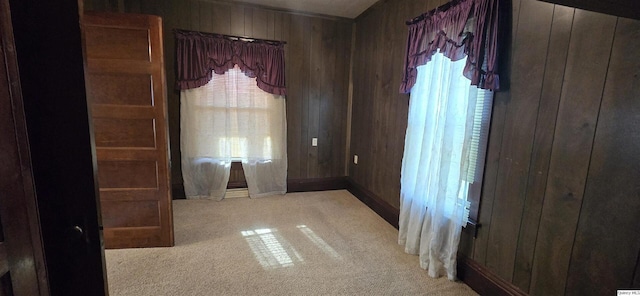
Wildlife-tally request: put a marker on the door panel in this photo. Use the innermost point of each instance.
(21, 256)
(127, 94)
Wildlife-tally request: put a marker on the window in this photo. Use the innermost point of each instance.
(238, 123)
(478, 152)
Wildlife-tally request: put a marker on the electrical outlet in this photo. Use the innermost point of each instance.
(314, 142)
(355, 159)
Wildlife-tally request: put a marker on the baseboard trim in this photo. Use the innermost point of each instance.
(377, 204)
(316, 184)
(484, 281)
(293, 185)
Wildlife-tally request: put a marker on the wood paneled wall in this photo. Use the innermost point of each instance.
(317, 60)
(560, 207)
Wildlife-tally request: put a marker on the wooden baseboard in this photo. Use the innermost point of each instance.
(482, 280)
(472, 273)
(377, 204)
(293, 185)
(316, 184)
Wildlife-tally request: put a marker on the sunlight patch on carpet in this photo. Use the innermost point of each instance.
(271, 250)
(318, 241)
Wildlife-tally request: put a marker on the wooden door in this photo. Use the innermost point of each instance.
(21, 255)
(127, 93)
(48, 195)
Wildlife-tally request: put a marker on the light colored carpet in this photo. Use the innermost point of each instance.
(314, 243)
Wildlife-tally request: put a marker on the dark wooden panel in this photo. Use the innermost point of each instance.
(624, 8)
(382, 105)
(295, 96)
(591, 40)
(205, 17)
(328, 99)
(194, 15)
(124, 132)
(541, 150)
(183, 15)
(152, 7)
(130, 213)
(483, 280)
(120, 89)
(529, 55)
(498, 113)
(305, 136)
(221, 16)
(388, 212)
(248, 21)
(340, 83)
(237, 20)
(127, 174)
(608, 237)
(379, 112)
(132, 6)
(260, 24)
(314, 95)
(116, 43)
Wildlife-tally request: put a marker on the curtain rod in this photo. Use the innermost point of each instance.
(231, 37)
(442, 7)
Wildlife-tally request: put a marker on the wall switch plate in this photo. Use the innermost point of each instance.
(355, 159)
(314, 142)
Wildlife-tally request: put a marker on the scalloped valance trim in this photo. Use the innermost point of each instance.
(458, 29)
(199, 55)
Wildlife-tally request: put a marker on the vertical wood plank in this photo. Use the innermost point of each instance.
(221, 15)
(296, 118)
(206, 20)
(152, 7)
(342, 49)
(305, 138)
(367, 148)
(271, 25)
(278, 26)
(608, 237)
(132, 6)
(498, 114)
(541, 151)
(194, 15)
(387, 102)
(248, 21)
(529, 56)
(260, 24)
(315, 88)
(183, 14)
(237, 20)
(591, 39)
(328, 98)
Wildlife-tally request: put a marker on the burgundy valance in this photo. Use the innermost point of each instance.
(201, 54)
(458, 29)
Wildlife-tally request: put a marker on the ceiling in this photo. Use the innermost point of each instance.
(341, 8)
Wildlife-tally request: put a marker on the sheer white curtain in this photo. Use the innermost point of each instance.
(436, 166)
(231, 119)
